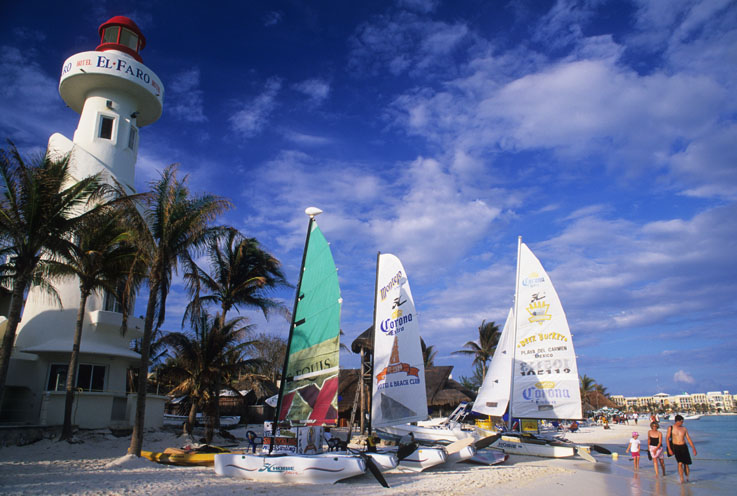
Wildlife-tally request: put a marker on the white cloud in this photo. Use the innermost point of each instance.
(272, 18)
(431, 223)
(577, 109)
(561, 26)
(254, 114)
(683, 377)
(29, 100)
(407, 43)
(184, 96)
(305, 139)
(317, 90)
(707, 165)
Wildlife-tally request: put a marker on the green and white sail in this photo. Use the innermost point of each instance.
(309, 393)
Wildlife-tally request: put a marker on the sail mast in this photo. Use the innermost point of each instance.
(312, 212)
(514, 334)
(373, 347)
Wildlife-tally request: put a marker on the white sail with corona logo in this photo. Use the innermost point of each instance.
(399, 374)
(545, 380)
(493, 396)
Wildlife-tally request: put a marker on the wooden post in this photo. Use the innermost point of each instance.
(361, 383)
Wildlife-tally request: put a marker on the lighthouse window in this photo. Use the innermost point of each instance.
(129, 39)
(110, 35)
(111, 303)
(132, 138)
(106, 127)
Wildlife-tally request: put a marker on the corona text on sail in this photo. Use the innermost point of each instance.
(395, 326)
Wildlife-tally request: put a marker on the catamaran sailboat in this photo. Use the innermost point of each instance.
(398, 382)
(307, 401)
(533, 371)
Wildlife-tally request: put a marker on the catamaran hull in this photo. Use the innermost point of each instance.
(423, 458)
(326, 468)
(427, 435)
(385, 461)
(488, 457)
(517, 446)
(460, 456)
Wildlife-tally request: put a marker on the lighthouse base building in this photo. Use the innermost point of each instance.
(115, 95)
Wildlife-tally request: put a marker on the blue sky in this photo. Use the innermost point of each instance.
(603, 132)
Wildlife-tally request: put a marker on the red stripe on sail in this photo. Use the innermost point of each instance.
(324, 402)
(286, 404)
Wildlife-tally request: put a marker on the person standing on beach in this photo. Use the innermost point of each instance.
(677, 437)
(633, 448)
(655, 446)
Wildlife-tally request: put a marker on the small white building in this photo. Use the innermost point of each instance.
(115, 95)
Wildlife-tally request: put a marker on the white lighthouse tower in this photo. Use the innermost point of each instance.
(115, 95)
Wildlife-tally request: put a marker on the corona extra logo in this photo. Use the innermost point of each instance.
(545, 392)
(533, 279)
(538, 311)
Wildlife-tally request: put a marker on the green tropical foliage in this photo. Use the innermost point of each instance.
(270, 351)
(483, 350)
(40, 206)
(428, 354)
(178, 222)
(474, 382)
(211, 355)
(103, 258)
(241, 274)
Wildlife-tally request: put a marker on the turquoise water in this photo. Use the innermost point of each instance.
(715, 437)
(714, 469)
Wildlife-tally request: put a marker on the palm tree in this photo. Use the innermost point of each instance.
(270, 350)
(102, 259)
(39, 207)
(588, 385)
(211, 355)
(242, 274)
(483, 350)
(177, 223)
(474, 382)
(428, 353)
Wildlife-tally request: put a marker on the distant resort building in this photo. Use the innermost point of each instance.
(713, 401)
(115, 95)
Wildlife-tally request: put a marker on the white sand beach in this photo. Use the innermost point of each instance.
(98, 465)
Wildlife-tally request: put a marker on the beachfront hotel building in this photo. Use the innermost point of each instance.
(713, 401)
(116, 95)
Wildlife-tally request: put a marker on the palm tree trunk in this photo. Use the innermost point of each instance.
(66, 431)
(210, 412)
(137, 436)
(17, 300)
(192, 417)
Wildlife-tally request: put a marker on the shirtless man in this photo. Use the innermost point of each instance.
(677, 437)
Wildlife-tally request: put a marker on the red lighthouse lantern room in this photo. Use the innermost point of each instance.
(122, 34)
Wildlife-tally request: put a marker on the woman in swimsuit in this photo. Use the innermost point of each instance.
(655, 446)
